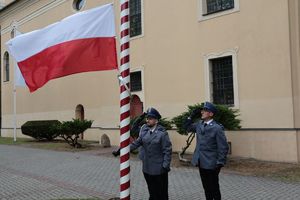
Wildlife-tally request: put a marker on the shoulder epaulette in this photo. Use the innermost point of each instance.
(221, 125)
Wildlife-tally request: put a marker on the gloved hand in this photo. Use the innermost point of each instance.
(165, 170)
(195, 113)
(218, 167)
(116, 152)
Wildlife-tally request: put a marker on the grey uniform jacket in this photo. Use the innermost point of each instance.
(211, 147)
(157, 150)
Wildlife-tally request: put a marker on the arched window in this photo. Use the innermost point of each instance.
(6, 66)
(79, 114)
(78, 4)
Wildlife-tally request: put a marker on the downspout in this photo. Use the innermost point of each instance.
(0, 82)
(293, 18)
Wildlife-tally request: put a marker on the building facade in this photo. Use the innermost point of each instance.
(241, 53)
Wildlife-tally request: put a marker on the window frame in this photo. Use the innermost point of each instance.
(208, 74)
(203, 15)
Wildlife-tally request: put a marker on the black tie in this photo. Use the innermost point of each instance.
(203, 132)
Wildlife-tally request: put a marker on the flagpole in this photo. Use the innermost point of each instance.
(15, 113)
(15, 98)
(124, 102)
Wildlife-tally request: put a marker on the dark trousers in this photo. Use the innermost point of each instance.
(210, 182)
(157, 186)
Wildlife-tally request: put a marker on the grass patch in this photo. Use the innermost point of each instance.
(77, 199)
(291, 175)
(286, 172)
(10, 141)
(58, 144)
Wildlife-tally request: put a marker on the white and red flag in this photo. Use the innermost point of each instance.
(79, 43)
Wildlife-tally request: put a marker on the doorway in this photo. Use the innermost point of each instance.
(136, 106)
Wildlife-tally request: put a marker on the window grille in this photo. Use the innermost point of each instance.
(222, 77)
(136, 81)
(214, 6)
(135, 17)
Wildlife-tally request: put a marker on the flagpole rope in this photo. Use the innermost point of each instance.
(124, 102)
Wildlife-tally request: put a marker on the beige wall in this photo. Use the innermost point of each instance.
(277, 146)
(172, 53)
(265, 145)
(176, 61)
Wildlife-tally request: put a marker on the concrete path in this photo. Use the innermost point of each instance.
(34, 174)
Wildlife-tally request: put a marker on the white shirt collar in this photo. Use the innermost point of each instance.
(153, 128)
(208, 122)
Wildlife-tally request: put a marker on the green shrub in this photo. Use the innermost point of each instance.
(225, 116)
(70, 130)
(42, 129)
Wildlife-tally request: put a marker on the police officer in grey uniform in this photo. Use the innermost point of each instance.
(156, 155)
(211, 149)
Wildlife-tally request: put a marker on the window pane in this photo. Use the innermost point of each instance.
(219, 5)
(222, 81)
(80, 4)
(135, 81)
(135, 18)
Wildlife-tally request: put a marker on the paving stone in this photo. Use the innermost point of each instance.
(34, 174)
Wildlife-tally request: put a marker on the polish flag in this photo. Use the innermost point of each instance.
(79, 43)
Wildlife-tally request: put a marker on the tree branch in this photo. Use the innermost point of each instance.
(188, 144)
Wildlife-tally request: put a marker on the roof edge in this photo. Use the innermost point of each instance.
(9, 5)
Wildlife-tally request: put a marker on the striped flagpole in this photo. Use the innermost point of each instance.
(124, 102)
